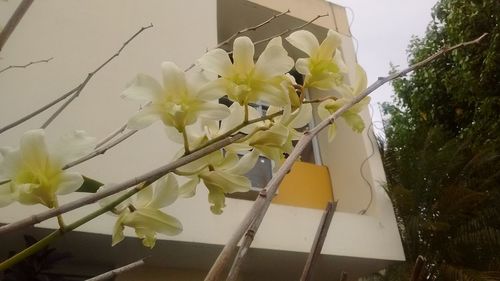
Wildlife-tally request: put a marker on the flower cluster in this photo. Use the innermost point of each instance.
(261, 100)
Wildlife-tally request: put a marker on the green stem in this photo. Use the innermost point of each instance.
(186, 141)
(246, 113)
(60, 232)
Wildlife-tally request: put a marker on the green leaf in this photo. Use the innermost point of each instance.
(89, 185)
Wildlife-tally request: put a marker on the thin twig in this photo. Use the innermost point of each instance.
(290, 29)
(149, 176)
(74, 91)
(117, 271)
(253, 28)
(240, 32)
(261, 204)
(90, 75)
(319, 240)
(25, 65)
(14, 21)
(111, 136)
(100, 150)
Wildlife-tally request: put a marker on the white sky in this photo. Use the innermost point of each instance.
(383, 29)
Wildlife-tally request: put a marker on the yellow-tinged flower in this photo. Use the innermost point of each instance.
(35, 169)
(245, 81)
(144, 214)
(324, 68)
(178, 103)
(351, 116)
(221, 173)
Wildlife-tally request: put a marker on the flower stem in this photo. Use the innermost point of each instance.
(60, 232)
(60, 219)
(186, 141)
(246, 113)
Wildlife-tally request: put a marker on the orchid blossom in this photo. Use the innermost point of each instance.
(351, 116)
(35, 169)
(178, 103)
(324, 69)
(245, 81)
(143, 213)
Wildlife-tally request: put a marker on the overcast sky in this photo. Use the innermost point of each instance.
(383, 29)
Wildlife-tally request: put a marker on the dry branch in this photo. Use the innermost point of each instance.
(319, 240)
(117, 271)
(74, 92)
(262, 203)
(14, 21)
(26, 65)
(115, 188)
(89, 76)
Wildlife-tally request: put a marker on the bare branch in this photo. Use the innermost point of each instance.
(76, 91)
(100, 150)
(14, 21)
(261, 204)
(117, 271)
(253, 28)
(290, 29)
(319, 240)
(149, 176)
(89, 76)
(25, 65)
(111, 136)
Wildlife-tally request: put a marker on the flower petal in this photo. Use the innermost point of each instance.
(302, 66)
(73, 146)
(361, 80)
(302, 117)
(144, 197)
(143, 88)
(188, 189)
(216, 61)
(166, 192)
(69, 182)
(34, 150)
(304, 41)
(212, 90)
(174, 79)
(154, 220)
(274, 60)
(145, 117)
(243, 52)
(354, 121)
(217, 198)
(329, 45)
(273, 95)
(245, 164)
(225, 181)
(118, 230)
(213, 111)
(332, 131)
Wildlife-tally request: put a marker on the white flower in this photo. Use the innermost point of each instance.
(178, 103)
(221, 173)
(324, 68)
(245, 81)
(35, 169)
(144, 214)
(351, 116)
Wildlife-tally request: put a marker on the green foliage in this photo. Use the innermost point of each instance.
(441, 152)
(36, 267)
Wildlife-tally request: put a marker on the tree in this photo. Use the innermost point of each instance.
(441, 148)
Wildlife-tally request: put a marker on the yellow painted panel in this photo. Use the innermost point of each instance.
(307, 185)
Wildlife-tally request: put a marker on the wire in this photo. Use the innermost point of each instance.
(365, 161)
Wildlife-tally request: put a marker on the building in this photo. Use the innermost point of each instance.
(363, 236)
